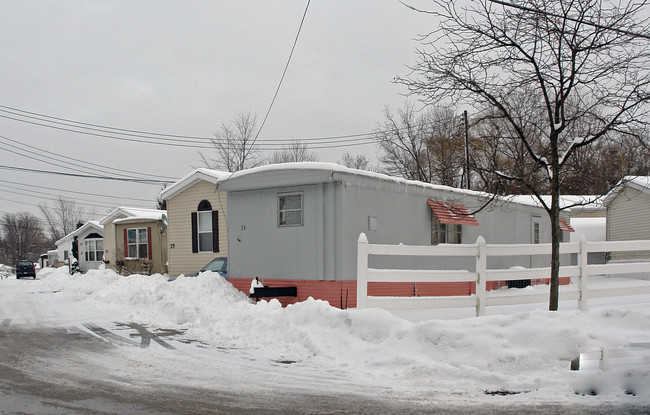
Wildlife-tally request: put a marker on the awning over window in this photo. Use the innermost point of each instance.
(565, 227)
(452, 213)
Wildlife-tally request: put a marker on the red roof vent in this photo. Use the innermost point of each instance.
(565, 227)
(452, 213)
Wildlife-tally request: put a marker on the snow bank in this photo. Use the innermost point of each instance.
(527, 352)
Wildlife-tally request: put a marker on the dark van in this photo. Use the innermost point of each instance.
(25, 269)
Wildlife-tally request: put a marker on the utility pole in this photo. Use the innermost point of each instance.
(467, 182)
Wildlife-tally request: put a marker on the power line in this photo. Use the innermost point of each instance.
(559, 16)
(83, 202)
(51, 154)
(286, 67)
(88, 176)
(76, 192)
(270, 146)
(167, 139)
(94, 165)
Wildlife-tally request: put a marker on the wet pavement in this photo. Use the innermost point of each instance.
(71, 370)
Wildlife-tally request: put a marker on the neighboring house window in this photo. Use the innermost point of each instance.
(536, 230)
(65, 255)
(138, 241)
(290, 209)
(94, 249)
(205, 228)
(444, 233)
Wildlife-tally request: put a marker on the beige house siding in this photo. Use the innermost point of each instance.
(179, 209)
(628, 218)
(110, 244)
(158, 243)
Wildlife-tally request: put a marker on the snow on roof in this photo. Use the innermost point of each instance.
(640, 183)
(585, 203)
(329, 169)
(90, 224)
(209, 175)
(130, 212)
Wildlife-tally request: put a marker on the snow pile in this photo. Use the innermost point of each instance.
(528, 352)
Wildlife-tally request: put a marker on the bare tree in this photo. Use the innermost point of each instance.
(424, 146)
(63, 217)
(358, 161)
(234, 145)
(586, 62)
(21, 237)
(295, 152)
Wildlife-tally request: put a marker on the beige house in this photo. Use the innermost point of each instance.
(135, 240)
(628, 214)
(196, 213)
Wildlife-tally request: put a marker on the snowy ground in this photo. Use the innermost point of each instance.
(514, 357)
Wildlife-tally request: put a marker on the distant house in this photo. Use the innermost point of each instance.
(196, 211)
(628, 214)
(90, 243)
(298, 224)
(135, 240)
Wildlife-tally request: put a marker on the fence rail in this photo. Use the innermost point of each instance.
(481, 251)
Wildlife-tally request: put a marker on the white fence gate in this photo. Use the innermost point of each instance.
(481, 251)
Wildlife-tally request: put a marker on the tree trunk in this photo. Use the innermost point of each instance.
(555, 228)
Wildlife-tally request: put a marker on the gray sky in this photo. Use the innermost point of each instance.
(184, 68)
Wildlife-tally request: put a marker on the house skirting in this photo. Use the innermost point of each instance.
(343, 294)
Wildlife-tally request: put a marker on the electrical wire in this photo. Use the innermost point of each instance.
(76, 192)
(88, 176)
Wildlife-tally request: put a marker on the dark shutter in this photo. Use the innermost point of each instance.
(126, 246)
(215, 231)
(149, 242)
(195, 233)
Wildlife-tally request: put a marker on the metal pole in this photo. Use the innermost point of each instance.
(466, 151)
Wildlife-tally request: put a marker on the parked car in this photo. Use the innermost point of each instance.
(218, 265)
(25, 269)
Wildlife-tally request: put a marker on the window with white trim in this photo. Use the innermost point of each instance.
(536, 230)
(138, 243)
(290, 211)
(204, 231)
(94, 249)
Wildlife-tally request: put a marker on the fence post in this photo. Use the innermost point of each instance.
(481, 276)
(362, 271)
(582, 279)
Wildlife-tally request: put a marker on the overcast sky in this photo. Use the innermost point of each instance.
(184, 68)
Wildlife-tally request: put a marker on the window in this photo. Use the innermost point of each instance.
(447, 220)
(535, 235)
(138, 243)
(290, 209)
(205, 228)
(445, 233)
(94, 249)
(205, 231)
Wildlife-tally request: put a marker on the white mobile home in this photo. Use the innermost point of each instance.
(298, 224)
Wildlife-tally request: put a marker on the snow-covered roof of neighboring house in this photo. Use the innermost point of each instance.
(582, 203)
(92, 224)
(138, 214)
(640, 183)
(195, 176)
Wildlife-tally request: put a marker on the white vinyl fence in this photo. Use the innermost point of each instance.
(481, 251)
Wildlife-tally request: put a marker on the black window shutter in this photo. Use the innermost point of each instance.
(195, 234)
(215, 231)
